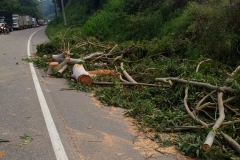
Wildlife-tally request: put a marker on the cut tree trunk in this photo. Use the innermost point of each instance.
(81, 75)
(102, 72)
(51, 66)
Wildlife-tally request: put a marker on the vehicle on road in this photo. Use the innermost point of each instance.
(6, 18)
(25, 23)
(18, 21)
(34, 22)
(41, 22)
(4, 29)
(29, 21)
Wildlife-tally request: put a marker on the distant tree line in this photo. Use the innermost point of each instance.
(28, 7)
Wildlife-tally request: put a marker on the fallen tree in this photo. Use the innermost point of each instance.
(203, 102)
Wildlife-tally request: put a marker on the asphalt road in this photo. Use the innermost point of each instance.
(44, 123)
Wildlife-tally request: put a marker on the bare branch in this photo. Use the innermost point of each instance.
(201, 63)
(189, 112)
(211, 135)
(130, 79)
(129, 83)
(93, 55)
(231, 142)
(184, 128)
(199, 84)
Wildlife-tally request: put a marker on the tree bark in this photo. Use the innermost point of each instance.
(81, 75)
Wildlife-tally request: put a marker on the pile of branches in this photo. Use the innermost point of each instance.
(110, 57)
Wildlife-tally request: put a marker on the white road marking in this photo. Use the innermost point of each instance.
(52, 130)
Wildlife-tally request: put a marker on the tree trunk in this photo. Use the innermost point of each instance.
(81, 75)
(102, 72)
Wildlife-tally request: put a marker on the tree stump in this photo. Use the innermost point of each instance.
(81, 75)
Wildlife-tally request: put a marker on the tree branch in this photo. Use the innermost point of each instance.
(189, 112)
(201, 63)
(199, 84)
(211, 135)
(129, 78)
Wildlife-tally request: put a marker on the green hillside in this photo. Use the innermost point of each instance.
(192, 40)
(183, 28)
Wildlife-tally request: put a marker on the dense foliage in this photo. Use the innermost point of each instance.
(168, 38)
(28, 7)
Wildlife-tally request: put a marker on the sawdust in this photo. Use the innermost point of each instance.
(108, 139)
(96, 101)
(2, 154)
(142, 141)
(152, 148)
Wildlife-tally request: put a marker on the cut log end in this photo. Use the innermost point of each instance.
(206, 147)
(102, 72)
(65, 52)
(53, 64)
(85, 79)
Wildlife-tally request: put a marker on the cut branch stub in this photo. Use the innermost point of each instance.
(51, 66)
(81, 75)
(209, 141)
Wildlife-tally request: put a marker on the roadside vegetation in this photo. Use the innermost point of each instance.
(183, 48)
